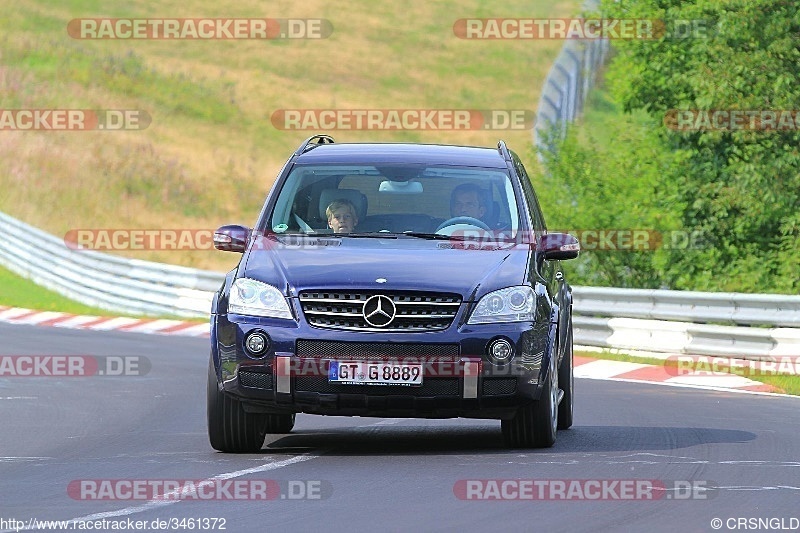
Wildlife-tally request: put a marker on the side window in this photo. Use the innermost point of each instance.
(540, 223)
(537, 218)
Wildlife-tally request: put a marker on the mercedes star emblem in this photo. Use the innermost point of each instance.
(379, 311)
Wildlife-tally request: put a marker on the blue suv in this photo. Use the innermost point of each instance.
(393, 280)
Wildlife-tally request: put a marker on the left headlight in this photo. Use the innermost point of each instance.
(251, 297)
(512, 304)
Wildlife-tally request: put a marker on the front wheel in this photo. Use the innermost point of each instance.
(230, 428)
(535, 425)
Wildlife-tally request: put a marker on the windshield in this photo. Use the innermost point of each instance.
(416, 200)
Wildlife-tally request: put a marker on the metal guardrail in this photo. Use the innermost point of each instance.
(103, 280)
(568, 83)
(622, 333)
(723, 308)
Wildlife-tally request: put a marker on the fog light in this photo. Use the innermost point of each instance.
(501, 351)
(257, 343)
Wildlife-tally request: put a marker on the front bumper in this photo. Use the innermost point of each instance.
(459, 380)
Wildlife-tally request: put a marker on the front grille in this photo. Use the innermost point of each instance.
(499, 386)
(255, 380)
(368, 351)
(415, 311)
(429, 387)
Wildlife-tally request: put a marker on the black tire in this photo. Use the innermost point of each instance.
(566, 380)
(279, 423)
(535, 425)
(230, 428)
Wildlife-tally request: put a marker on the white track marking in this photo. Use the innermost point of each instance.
(157, 503)
(602, 368)
(114, 323)
(38, 318)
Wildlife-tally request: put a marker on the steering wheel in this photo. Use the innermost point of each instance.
(463, 220)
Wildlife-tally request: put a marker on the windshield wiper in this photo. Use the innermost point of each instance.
(466, 237)
(428, 236)
(368, 235)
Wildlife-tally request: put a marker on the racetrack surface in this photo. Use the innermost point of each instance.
(383, 474)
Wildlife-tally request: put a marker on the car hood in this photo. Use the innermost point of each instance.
(404, 264)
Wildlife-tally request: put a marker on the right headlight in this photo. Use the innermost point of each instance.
(251, 297)
(512, 304)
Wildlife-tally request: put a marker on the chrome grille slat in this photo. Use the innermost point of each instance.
(415, 311)
(316, 312)
(400, 302)
(333, 301)
(425, 315)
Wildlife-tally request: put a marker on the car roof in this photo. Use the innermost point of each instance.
(431, 154)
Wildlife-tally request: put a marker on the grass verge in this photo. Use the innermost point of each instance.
(16, 291)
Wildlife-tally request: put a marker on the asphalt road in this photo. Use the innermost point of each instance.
(367, 474)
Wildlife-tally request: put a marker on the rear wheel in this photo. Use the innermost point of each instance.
(230, 428)
(535, 425)
(566, 380)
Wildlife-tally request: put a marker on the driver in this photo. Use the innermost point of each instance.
(468, 200)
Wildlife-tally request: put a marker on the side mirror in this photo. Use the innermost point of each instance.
(231, 238)
(559, 246)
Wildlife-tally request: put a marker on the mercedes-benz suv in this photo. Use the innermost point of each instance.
(393, 280)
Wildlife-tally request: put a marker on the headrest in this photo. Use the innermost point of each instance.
(354, 196)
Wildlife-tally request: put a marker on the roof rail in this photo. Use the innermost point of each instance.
(313, 142)
(502, 149)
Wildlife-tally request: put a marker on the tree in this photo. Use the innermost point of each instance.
(740, 187)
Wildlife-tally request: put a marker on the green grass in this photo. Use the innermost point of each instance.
(788, 384)
(211, 152)
(16, 291)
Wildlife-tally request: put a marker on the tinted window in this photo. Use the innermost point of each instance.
(395, 198)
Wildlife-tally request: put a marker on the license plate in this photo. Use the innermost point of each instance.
(375, 373)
